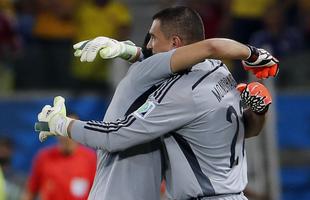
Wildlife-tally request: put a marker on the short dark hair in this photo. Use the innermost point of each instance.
(183, 22)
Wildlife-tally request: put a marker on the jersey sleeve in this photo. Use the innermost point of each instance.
(154, 118)
(152, 70)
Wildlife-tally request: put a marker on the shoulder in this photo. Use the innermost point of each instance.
(176, 89)
(157, 56)
(201, 73)
(151, 70)
(216, 80)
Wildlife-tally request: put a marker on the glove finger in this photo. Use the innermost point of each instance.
(43, 135)
(59, 100)
(267, 95)
(78, 53)
(241, 86)
(85, 51)
(46, 107)
(260, 74)
(80, 45)
(92, 53)
(273, 71)
(83, 56)
(258, 89)
(268, 100)
(43, 113)
(255, 88)
(97, 44)
(105, 53)
(256, 70)
(265, 73)
(59, 104)
(41, 116)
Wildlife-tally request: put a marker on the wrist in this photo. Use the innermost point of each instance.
(59, 125)
(69, 128)
(253, 54)
(130, 53)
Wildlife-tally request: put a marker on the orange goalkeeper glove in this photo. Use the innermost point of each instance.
(261, 63)
(256, 96)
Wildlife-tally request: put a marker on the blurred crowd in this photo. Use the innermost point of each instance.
(36, 36)
(279, 26)
(62, 170)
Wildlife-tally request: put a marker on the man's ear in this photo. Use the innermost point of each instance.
(176, 41)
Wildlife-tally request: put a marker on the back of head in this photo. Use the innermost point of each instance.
(181, 21)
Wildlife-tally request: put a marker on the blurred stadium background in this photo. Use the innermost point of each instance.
(36, 64)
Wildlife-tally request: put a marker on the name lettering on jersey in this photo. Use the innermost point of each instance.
(145, 109)
(223, 87)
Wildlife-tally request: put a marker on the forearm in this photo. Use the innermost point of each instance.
(78, 133)
(222, 48)
(110, 136)
(253, 123)
(217, 48)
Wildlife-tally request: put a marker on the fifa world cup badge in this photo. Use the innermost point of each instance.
(145, 109)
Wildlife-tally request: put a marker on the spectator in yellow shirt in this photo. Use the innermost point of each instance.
(99, 17)
(2, 189)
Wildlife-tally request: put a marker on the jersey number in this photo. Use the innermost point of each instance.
(230, 112)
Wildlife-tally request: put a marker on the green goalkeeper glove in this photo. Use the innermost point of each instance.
(107, 48)
(56, 119)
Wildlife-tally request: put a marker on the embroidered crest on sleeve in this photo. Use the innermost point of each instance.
(145, 109)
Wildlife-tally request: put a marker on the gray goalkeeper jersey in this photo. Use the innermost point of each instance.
(201, 109)
(134, 174)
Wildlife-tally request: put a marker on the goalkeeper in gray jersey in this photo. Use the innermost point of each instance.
(112, 137)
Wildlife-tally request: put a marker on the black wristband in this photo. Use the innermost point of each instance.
(254, 54)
